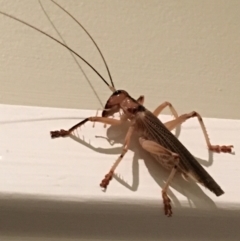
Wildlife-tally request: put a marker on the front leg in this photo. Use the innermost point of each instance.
(108, 177)
(169, 160)
(105, 120)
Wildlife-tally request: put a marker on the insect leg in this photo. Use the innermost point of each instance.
(105, 120)
(140, 99)
(109, 175)
(160, 108)
(216, 148)
(94, 121)
(168, 158)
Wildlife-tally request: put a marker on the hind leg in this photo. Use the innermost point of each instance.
(170, 158)
(215, 148)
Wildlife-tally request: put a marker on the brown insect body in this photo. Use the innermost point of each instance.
(149, 127)
(154, 136)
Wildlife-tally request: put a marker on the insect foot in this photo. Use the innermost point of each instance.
(106, 180)
(167, 204)
(61, 133)
(218, 149)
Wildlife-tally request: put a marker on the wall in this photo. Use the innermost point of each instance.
(186, 52)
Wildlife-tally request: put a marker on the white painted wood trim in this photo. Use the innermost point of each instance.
(50, 188)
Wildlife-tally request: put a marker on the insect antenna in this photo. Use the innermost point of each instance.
(56, 40)
(94, 42)
(74, 56)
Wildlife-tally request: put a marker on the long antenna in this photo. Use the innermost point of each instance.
(74, 56)
(94, 42)
(51, 37)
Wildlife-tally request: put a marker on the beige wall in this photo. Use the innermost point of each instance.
(186, 52)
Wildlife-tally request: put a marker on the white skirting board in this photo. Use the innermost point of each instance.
(49, 189)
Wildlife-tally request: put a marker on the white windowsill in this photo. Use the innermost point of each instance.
(50, 188)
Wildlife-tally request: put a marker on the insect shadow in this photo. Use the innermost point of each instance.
(194, 194)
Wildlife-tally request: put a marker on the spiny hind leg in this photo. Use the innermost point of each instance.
(168, 158)
(215, 148)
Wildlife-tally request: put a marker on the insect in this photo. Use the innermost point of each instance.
(155, 137)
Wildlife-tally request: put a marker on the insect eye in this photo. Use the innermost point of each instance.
(117, 92)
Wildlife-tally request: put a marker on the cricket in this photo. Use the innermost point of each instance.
(154, 136)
